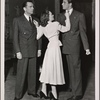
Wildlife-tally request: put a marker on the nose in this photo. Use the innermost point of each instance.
(32, 8)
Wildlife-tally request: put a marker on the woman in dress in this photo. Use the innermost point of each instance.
(52, 68)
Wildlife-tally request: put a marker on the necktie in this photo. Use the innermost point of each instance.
(30, 20)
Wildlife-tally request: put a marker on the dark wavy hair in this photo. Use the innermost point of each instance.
(44, 18)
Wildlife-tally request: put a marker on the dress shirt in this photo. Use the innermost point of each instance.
(69, 11)
(27, 17)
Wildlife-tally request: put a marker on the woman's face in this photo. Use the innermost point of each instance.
(51, 16)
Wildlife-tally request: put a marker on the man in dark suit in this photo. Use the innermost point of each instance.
(71, 46)
(26, 49)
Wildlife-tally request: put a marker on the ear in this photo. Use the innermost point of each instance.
(24, 8)
(70, 4)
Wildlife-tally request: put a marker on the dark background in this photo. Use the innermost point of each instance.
(85, 6)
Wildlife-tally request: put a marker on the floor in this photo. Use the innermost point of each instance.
(88, 85)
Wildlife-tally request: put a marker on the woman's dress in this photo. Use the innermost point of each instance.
(52, 68)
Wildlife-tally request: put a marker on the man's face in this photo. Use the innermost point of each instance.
(65, 5)
(29, 8)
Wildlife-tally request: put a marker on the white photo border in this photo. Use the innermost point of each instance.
(2, 5)
(2, 39)
(97, 43)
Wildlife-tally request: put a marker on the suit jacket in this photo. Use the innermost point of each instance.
(24, 37)
(72, 39)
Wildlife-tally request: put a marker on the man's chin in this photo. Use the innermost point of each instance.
(63, 8)
(31, 12)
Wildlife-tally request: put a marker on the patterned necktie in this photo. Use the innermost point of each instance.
(30, 20)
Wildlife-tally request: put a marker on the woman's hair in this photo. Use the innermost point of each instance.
(44, 18)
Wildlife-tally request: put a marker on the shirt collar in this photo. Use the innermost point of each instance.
(27, 17)
(70, 11)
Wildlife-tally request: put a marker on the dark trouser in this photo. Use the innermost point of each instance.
(26, 66)
(74, 67)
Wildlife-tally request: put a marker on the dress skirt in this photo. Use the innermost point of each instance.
(52, 68)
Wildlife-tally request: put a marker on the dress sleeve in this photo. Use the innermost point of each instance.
(39, 32)
(66, 27)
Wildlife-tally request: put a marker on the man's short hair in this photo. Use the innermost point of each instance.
(25, 3)
(70, 1)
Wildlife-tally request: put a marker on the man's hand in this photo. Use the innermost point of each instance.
(19, 55)
(39, 53)
(88, 52)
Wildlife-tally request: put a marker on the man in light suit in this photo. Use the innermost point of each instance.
(26, 49)
(71, 46)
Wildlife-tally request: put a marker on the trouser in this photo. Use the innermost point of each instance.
(26, 68)
(75, 77)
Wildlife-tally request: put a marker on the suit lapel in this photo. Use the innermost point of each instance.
(73, 17)
(26, 27)
(26, 22)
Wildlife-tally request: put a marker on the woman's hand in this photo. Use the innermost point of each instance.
(36, 23)
(67, 14)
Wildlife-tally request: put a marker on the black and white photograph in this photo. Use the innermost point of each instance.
(49, 49)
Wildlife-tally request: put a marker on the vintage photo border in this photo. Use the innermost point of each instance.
(2, 45)
(2, 24)
(97, 50)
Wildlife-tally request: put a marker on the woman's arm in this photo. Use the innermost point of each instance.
(39, 29)
(39, 32)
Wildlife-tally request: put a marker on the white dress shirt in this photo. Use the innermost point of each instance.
(69, 11)
(27, 17)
